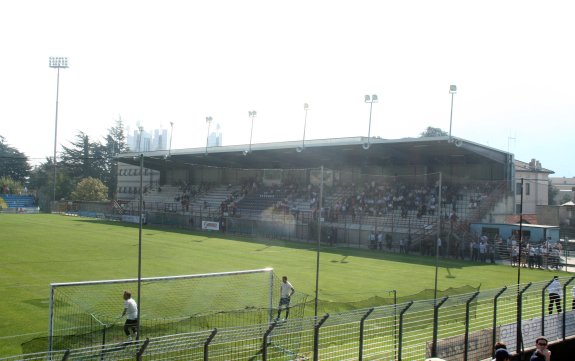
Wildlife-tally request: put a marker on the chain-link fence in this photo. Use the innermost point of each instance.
(462, 327)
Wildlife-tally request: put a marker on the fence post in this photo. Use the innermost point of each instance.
(265, 341)
(565, 302)
(466, 346)
(519, 337)
(543, 307)
(494, 329)
(66, 355)
(436, 324)
(142, 349)
(401, 329)
(361, 328)
(207, 343)
(316, 328)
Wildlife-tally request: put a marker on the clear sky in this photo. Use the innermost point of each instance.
(157, 62)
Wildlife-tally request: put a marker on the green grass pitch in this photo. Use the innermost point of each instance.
(36, 250)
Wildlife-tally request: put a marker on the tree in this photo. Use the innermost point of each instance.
(115, 143)
(90, 189)
(83, 159)
(13, 163)
(42, 181)
(13, 186)
(552, 193)
(433, 132)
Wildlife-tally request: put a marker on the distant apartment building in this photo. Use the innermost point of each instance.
(535, 186)
(147, 141)
(129, 180)
(566, 187)
(215, 137)
(129, 175)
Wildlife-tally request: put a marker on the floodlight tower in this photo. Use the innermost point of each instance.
(252, 114)
(370, 100)
(209, 122)
(305, 108)
(57, 63)
(140, 130)
(452, 91)
(171, 136)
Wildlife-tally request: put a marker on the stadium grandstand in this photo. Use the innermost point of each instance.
(17, 203)
(406, 192)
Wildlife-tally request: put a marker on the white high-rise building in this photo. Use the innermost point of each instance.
(215, 137)
(147, 141)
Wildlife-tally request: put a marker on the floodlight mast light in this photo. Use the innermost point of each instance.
(252, 114)
(141, 131)
(209, 122)
(370, 100)
(171, 136)
(57, 63)
(305, 108)
(452, 91)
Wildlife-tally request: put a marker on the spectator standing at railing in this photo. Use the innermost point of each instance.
(483, 250)
(491, 252)
(372, 240)
(538, 257)
(380, 240)
(514, 255)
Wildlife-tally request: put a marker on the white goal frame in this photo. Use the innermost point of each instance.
(132, 281)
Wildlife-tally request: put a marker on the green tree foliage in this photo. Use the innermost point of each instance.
(13, 186)
(83, 159)
(433, 132)
(42, 180)
(13, 163)
(90, 189)
(552, 193)
(114, 143)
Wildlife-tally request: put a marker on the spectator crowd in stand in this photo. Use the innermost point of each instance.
(377, 198)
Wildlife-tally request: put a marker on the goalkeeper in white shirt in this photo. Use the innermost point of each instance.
(131, 311)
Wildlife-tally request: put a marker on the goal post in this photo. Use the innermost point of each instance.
(88, 313)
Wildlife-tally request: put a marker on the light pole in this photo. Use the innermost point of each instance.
(171, 136)
(141, 215)
(305, 108)
(141, 130)
(209, 122)
(57, 63)
(452, 91)
(438, 238)
(370, 100)
(252, 114)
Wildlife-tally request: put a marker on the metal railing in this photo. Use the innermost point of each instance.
(463, 327)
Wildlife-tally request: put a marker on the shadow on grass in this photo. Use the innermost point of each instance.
(340, 253)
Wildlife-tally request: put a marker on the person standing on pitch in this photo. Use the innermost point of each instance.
(286, 291)
(555, 293)
(131, 311)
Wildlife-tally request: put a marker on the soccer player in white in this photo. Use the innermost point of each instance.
(286, 291)
(131, 311)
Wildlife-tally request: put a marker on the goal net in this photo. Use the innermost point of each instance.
(89, 313)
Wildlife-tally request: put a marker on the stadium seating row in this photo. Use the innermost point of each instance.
(16, 201)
